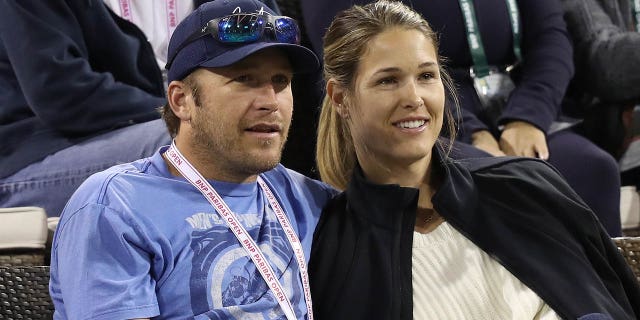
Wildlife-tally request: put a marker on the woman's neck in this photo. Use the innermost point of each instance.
(427, 217)
(418, 175)
(413, 174)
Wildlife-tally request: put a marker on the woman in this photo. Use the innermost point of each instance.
(417, 235)
(524, 117)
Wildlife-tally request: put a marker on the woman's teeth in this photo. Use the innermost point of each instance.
(411, 124)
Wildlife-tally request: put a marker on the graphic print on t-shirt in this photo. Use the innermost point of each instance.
(224, 281)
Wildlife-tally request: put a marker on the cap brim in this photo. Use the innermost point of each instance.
(302, 59)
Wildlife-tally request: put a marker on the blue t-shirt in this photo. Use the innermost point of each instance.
(135, 241)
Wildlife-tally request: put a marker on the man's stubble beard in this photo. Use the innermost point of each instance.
(212, 145)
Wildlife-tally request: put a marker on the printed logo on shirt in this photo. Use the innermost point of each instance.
(224, 281)
(205, 221)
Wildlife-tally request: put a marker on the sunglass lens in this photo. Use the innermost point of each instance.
(240, 28)
(287, 30)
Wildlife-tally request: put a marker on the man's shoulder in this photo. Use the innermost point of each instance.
(118, 179)
(122, 171)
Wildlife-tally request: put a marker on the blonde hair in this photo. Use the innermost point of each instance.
(344, 43)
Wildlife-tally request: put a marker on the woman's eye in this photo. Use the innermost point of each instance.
(427, 76)
(386, 81)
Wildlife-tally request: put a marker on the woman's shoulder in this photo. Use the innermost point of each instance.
(515, 165)
(521, 173)
(508, 177)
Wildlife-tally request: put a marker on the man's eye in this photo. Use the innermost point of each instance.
(281, 79)
(243, 78)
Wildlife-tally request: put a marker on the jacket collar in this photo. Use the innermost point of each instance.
(454, 200)
(380, 202)
(457, 197)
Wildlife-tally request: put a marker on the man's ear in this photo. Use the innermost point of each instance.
(178, 95)
(336, 93)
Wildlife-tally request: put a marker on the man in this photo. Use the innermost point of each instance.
(206, 227)
(80, 88)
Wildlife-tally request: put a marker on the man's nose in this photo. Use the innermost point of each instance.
(267, 98)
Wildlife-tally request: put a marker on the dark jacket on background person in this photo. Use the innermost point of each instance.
(517, 210)
(606, 50)
(69, 70)
(607, 81)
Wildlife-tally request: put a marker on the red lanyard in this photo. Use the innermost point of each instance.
(172, 14)
(125, 10)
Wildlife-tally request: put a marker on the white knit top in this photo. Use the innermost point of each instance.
(454, 279)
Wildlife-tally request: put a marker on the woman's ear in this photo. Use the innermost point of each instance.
(336, 93)
(178, 95)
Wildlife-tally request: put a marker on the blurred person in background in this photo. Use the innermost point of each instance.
(606, 88)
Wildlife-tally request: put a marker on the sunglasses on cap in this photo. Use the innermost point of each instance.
(246, 28)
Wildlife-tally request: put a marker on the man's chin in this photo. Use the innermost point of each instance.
(263, 157)
(263, 161)
(260, 167)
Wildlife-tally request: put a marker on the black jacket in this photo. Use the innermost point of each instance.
(518, 210)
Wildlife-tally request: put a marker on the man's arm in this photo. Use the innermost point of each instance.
(101, 266)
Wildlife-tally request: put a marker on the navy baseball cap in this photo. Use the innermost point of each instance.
(207, 51)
